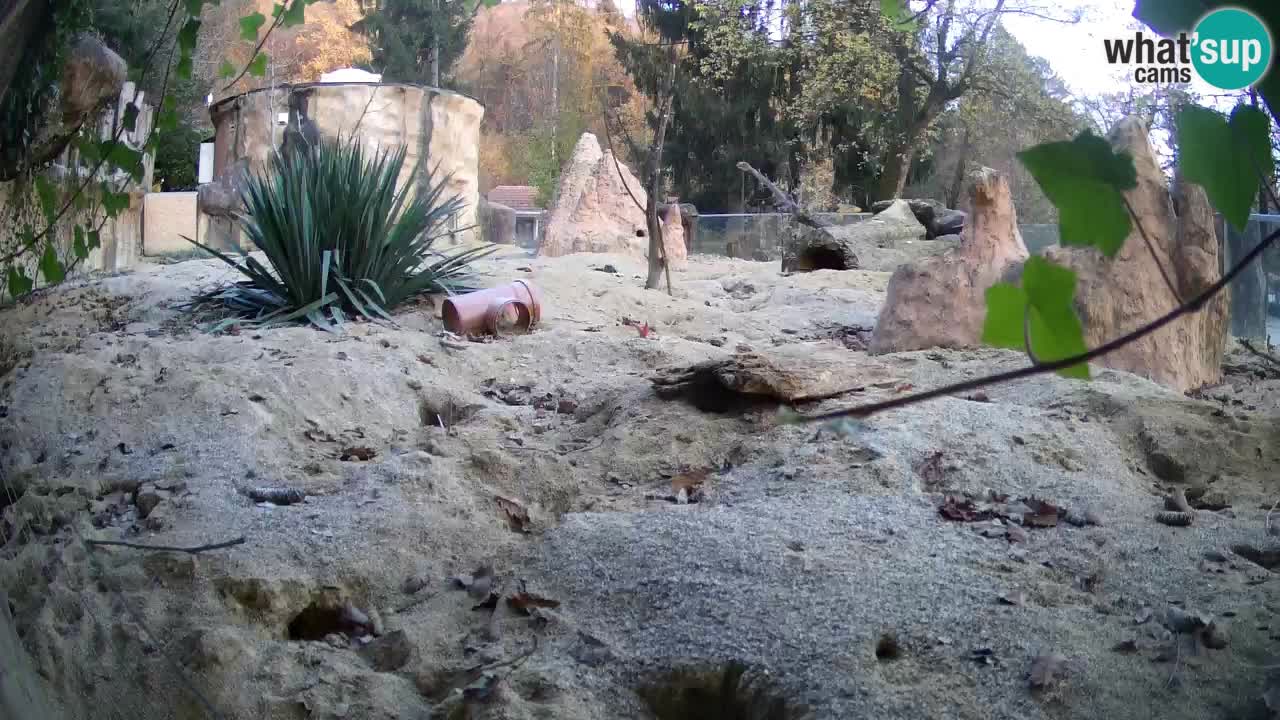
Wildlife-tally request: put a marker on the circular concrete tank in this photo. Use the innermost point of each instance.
(440, 127)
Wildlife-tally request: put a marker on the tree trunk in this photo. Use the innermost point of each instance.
(957, 180)
(894, 178)
(657, 249)
(18, 22)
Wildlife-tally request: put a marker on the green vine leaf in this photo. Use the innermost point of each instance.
(226, 70)
(295, 15)
(185, 68)
(130, 119)
(898, 14)
(48, 196)
(113, 203)
(51, 267)
(19, 283)
(195, 7)
(258, 67)
(126, 158)
(78, 246)
(95, 240)
(187, 37)
(1226, 157)
(168, 118)
(1084, 179)
(1047, 296)
(250, 25)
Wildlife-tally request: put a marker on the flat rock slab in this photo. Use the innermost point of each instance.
(789, 373)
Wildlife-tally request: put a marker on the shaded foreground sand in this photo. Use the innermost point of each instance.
(807, 549)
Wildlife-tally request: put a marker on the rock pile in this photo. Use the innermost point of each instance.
(937, 219)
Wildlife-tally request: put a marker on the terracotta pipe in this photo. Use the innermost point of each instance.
(482, 311)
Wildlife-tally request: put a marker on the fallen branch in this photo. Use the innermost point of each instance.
(1191, 306)
(167, 548)
(780, 199)
(1248, 345)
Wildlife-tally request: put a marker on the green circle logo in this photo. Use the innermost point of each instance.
(1232, 48)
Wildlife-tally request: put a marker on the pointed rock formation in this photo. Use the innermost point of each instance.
(940, 301)
(598, 209)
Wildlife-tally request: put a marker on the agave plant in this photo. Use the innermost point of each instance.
(340, 239)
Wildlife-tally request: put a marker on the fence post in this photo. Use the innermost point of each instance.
(1248, 309)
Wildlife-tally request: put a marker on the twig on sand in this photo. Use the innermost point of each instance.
(167, 548)
(1248, 345)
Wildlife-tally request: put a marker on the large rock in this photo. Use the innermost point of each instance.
(937, 219)
(497, 223)
(839, 247)
(673, 238)
(598, 209)
(92, 75)
(940, 301)
(1118, 295)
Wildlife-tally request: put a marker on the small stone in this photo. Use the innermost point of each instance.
(413, 584)
(375, 622)
(355, 615)
(147, 498)
(337, 640)
(389, 652)
(567, 406)
(160, 517)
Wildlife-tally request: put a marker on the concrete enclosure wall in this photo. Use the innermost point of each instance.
(168, 216)
(437, 127)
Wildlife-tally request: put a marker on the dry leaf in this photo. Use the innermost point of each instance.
(318, 436)
(525, 601)
(1143, 616)
(357, 453)
(930, 470)
(1046, 670)
(687, 486)
(963, 510)
(517, 514)
(904, 387)
(1043, 514)
(1012, 598)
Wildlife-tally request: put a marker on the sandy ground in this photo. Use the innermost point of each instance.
(816, 555)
